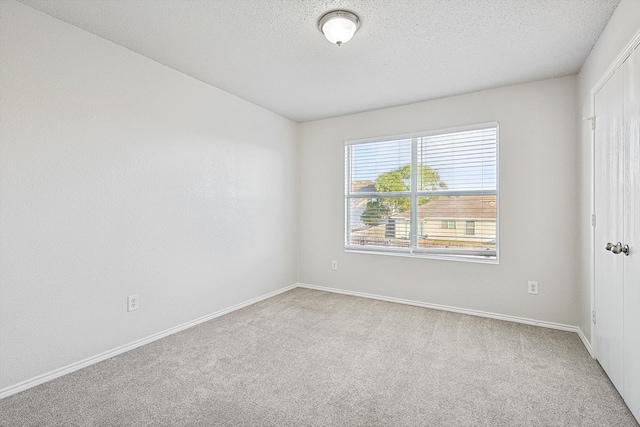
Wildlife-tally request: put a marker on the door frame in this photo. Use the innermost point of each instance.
(624, 54)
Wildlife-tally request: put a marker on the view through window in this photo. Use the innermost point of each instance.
(428, 194)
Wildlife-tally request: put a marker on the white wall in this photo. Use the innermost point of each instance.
(623, 25)
(121, 176)
(537, 204)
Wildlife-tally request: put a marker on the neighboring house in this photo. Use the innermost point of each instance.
(364, 186)
(448, 221)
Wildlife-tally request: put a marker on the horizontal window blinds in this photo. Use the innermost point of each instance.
(464, 161)
(433, 193)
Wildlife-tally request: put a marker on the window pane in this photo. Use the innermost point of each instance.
(471, 228)
(458, 161)
(438, 217)
(447, 223)
(380, 166)
(379, 221)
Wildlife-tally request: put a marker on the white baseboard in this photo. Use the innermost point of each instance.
(516, 319)
(585, 341)
(40, 379)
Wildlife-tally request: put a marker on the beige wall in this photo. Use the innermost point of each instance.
(623, 25)
(537, 204)
(120, 176)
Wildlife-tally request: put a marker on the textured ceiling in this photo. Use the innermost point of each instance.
(271, 53)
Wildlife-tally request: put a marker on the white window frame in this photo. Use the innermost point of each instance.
(467, 255)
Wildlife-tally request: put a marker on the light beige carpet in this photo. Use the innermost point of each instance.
(311, 358)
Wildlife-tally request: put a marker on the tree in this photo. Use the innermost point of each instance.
(374, 213)
(399, 180)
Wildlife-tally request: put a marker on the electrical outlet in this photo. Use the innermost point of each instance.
(533, 287)
(133, 302)
(334, 265)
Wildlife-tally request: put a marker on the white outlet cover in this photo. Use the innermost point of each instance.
(532, 287)
(133, 302)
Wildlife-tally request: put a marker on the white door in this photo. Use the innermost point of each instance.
(617, 232)
(609, 283)
(631, 361)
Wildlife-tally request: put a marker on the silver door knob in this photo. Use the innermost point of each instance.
(625, 250)
(618, 248)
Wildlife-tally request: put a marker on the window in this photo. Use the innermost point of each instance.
(471, 228)
(448, 224)
(411, 195)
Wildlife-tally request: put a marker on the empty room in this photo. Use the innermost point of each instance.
(319, 213)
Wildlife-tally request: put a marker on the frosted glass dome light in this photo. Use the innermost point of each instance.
(339, 26)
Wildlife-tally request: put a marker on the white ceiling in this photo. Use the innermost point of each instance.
(271, 53)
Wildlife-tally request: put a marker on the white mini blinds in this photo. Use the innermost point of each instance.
(431, 194)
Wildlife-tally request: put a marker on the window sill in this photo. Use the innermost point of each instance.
(425, 255)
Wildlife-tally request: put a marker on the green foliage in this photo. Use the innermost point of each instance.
(396, 180)
(375, 212)
(399, 180)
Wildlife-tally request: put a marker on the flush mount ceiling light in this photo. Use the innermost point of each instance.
(339, 26)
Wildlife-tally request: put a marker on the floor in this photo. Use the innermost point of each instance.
(313, 358)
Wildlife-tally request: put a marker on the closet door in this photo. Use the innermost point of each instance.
(617, 232)
(631, 360)
(609, 285)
